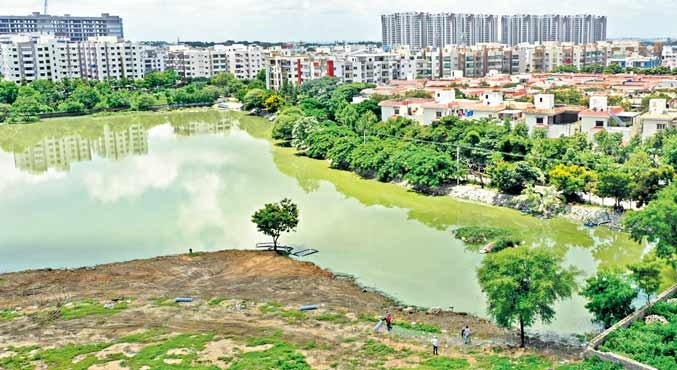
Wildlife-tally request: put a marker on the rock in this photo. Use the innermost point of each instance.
(409, 310)
(435, 311)
(109, 305)
(653, 319)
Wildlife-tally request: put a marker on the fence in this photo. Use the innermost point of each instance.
(152, 108)
(627, 363)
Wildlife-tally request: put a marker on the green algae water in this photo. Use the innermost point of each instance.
(91, 190)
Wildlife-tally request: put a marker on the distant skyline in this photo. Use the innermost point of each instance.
(331, 20)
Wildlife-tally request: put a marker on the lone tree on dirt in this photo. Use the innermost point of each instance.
(522, 284)
(276, 218)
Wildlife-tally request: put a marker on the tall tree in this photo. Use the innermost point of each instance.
(522, 285)
(657, 223)
(609, 297)
(277, 218)
(647, 274)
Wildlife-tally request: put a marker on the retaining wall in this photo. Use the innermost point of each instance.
(627, 363)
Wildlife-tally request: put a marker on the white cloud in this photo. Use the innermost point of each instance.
(278, 20)
(129, 178)
(14, 180)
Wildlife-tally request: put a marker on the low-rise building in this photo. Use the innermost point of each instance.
(556, 121)
(659, 117)
(599, 116)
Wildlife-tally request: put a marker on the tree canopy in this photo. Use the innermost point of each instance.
(522, 285)
(277, 218)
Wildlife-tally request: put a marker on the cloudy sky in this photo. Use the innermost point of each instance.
(329, 20)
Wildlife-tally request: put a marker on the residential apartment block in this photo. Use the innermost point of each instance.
(421, 30)
(71, 27)
(241, 60)
(530, 28)
(104, 58)
(43, 58)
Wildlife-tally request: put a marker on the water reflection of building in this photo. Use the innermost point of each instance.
(202, 127)
(54, 153)
(59, 153)
(120, 144)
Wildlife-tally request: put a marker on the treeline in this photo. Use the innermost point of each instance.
(614, 68)
(324, 125)
(24, 102)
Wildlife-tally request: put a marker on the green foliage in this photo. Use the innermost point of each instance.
(614, 184)
(144, 102)
(513, 178)
(479, 235)
(657, 223)
(62, 358)
(592, 364)
(8, 92)
(254, 99)
(571, 179)
(86, 96)
(651, 344)
(275, 218)
(542, 201)
(523, 284)
(609, 297)
(647, 274)
(153, 356)
(284, 123)
(303, 127)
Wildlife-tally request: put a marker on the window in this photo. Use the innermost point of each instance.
(660, 126)
(397, 111)
(599, 123)
(540, 100)
(438, 114)
(539, 120)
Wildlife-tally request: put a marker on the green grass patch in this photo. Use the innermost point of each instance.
(62, 358)
(592, 364)
(21, 360)
(496, 362)
(335, 317)
(275, 309)
(282, 356)
(443, 363)
(6, 315)
(154, 355)
(419, 326)
(376, 349)
(216, 301)
(89, 308)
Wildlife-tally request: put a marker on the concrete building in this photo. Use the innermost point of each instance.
(658, 117)
(421, 30)
(105, 58)
(243, 61)
(532, 29)
(154, 58)
(376, 68)
(26, 58)
(53, 153)
(72, 27)
(556, 121)
(599, 116)
(295, 69)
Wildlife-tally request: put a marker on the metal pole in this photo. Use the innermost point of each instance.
(458, 165)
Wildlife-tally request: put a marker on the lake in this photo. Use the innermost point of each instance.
(91, 190)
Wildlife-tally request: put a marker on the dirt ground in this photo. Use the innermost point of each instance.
(232, 293)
